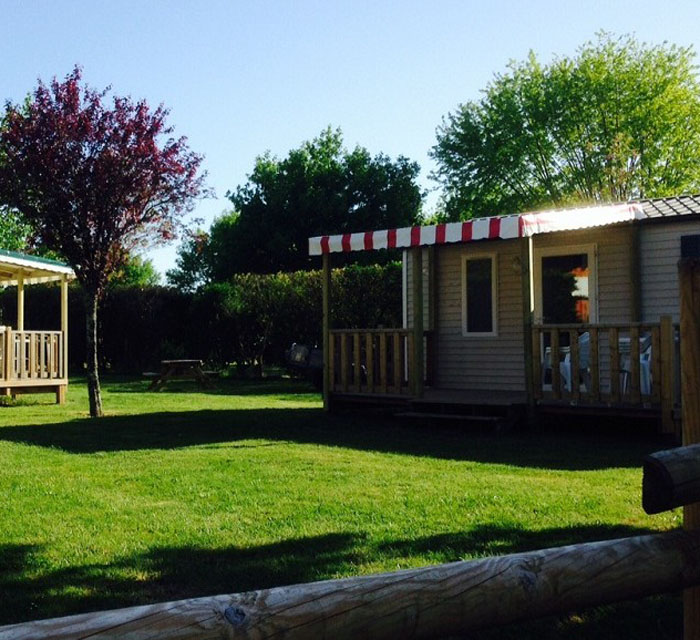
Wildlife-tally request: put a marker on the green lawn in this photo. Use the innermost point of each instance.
(186, 493)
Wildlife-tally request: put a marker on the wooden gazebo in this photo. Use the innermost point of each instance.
(37, 360)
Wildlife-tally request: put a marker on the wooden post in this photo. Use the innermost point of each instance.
(9, 354)
(431, 602)
(594, 364)
(656, 365)
(555, 357)
(574, 366)
(614, 342)
(671, 479)
(369, 349)
(431, 344)
(416, 358)
(397, 339)
(64, 325)
(326, 327)
(383, 360)
(667, 372)
(356, 362)
(528, 316)
(20, 302)
(689, 280)
(634, 389)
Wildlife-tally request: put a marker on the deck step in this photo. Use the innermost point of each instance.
(449, 416)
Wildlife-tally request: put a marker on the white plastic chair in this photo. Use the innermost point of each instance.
(584, 358)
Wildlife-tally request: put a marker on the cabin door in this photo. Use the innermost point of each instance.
(566, 285)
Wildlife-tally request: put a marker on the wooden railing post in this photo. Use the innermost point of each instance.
(614, 343)
(356, 361)
(398, 361)
(656, 365)
(594, 363)
(343, 361)
(689, 280)
(634, 388)
(667, 371)
(574, 366)
(9, 354)
(536, 351)
(555, 357)
(369, 357)
(383, 358)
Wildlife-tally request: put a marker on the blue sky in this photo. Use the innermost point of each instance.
(244, 77)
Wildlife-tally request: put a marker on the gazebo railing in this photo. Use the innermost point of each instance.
(32, 356)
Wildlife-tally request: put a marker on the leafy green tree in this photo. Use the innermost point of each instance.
(135, 272)
(95, 178)
(14, 231)
(619, 120)
(191, 264)
(319, 188)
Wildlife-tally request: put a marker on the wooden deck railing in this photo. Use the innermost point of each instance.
(31, 356)
(374, 360)
(630, 363)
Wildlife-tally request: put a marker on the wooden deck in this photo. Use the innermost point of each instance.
(499, 410)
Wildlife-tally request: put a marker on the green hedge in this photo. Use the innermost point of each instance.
(245, 321)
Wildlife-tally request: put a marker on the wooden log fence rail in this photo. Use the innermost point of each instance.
(420, 603)
(374, 361)
(671, 479)
(605, 363)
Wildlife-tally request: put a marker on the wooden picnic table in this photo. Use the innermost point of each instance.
(180, 370)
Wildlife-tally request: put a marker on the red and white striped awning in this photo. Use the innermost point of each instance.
(493, 228)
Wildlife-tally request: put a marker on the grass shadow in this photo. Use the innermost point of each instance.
(225, 386)
(162, 574)
(171, 430)
(172, 573)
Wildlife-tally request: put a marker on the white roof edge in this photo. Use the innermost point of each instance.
(37, 265)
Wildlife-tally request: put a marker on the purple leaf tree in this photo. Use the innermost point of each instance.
(96, 177)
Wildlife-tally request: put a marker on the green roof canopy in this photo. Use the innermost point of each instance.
(32, 269)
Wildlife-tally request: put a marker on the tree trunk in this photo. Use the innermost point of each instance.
(93, 376)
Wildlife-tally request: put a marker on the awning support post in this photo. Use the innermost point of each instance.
(416, 360)
(326, 328)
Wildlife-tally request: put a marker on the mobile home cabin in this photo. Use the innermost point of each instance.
(572, 309)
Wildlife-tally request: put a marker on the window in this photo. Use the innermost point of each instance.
(479, 295)
(565, 285)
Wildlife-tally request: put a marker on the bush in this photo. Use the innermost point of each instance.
(247, 321)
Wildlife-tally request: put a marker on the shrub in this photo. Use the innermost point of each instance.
(248, 320)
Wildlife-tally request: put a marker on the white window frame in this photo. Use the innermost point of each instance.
(591, 250)
(466, 257)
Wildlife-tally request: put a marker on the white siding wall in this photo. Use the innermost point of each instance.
(479, 362)
(660, 248)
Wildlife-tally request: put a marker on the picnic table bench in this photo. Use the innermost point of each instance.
(180, 370)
